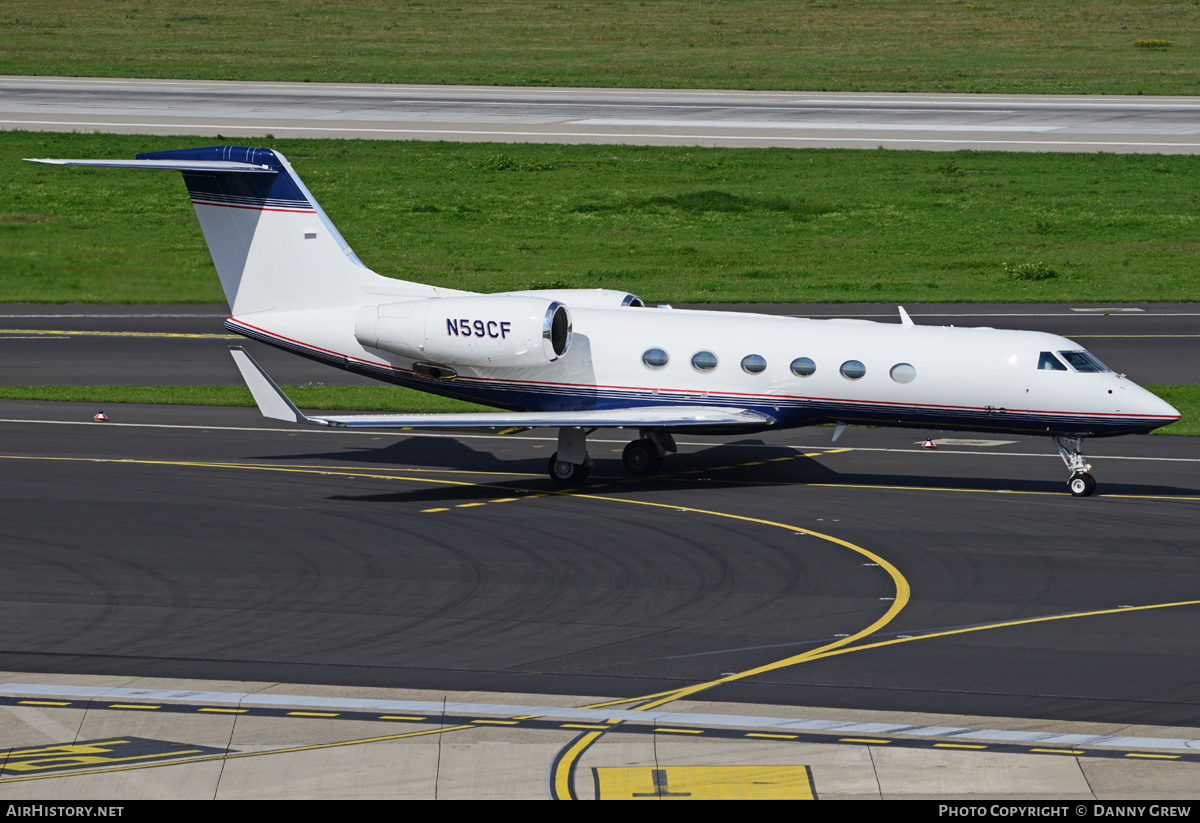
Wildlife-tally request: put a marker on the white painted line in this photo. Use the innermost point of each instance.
(455, 436)
(436, 708)
(797, 124)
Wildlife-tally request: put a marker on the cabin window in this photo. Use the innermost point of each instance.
(903, 373)
(754, 364)
(655, 358)
(704, 361)
(1048, 362)
(1082, 361)
(853, 369)
(803, 366)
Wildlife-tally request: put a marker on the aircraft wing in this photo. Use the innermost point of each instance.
(273, 403)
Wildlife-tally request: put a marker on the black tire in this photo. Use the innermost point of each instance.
(564, 473)
(1081, 484)
(641, 457)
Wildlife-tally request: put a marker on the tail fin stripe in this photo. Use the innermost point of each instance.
(197, 202)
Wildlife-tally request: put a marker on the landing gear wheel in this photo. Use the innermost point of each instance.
(1081, 484)
(641, 457)
(566, 474)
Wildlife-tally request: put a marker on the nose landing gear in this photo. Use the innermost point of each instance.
(1081, 483)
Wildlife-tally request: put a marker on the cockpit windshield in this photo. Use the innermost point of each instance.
(1082, 361)
(1048, 362)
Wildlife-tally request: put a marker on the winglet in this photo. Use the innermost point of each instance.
(905, 320)
(271, 400)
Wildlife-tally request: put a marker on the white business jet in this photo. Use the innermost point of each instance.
(583, 359)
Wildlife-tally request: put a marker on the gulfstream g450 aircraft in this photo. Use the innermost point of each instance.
(580, 359)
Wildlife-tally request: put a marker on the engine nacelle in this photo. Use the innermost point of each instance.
(486, 330)
(585, 298)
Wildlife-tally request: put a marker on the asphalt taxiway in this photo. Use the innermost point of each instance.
(867, 581)
(869, 584)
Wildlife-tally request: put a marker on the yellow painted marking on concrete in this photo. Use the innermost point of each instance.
(1158, 756)
(399, 717)
(497, 722)
(772, 736)
(1058, 751)
(312, 714)
(226, 711)
(720, 468)
(237, 755)
(34, 337)
(428, 511)
(505, 500)
(956, 746)
(861, 740)
(562, 773)
(469, 505)
(44, 703)
(46, 332)
(623, 701)
(753, 463)
(73, 748)
(580, 726)
(777, 459)
(132, 706)
(679, 731)
(527, 717)
(704, 783)
(80, 760)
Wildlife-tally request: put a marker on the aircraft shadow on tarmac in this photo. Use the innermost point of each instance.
(724, 465)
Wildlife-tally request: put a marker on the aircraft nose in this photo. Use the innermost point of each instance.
(1153, 408)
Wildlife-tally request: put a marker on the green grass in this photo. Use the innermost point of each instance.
(395, 399)
(670, 224)
(1187, 400)
(358, 398)
(1080, 47)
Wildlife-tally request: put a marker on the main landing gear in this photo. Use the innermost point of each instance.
(1081, 483)
(571, 464)
(645, 455)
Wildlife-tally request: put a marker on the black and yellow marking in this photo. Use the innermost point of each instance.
(96, 753)
(704, 783)
(133, 752)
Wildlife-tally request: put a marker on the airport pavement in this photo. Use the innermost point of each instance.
(73, 738)
(661, 117)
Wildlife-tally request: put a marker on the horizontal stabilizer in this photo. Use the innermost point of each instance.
(273, 403)
(167, 165)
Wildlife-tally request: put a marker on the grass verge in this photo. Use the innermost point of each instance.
(357, 398)
(1079, 47)
(395, 399)
(671, 224)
